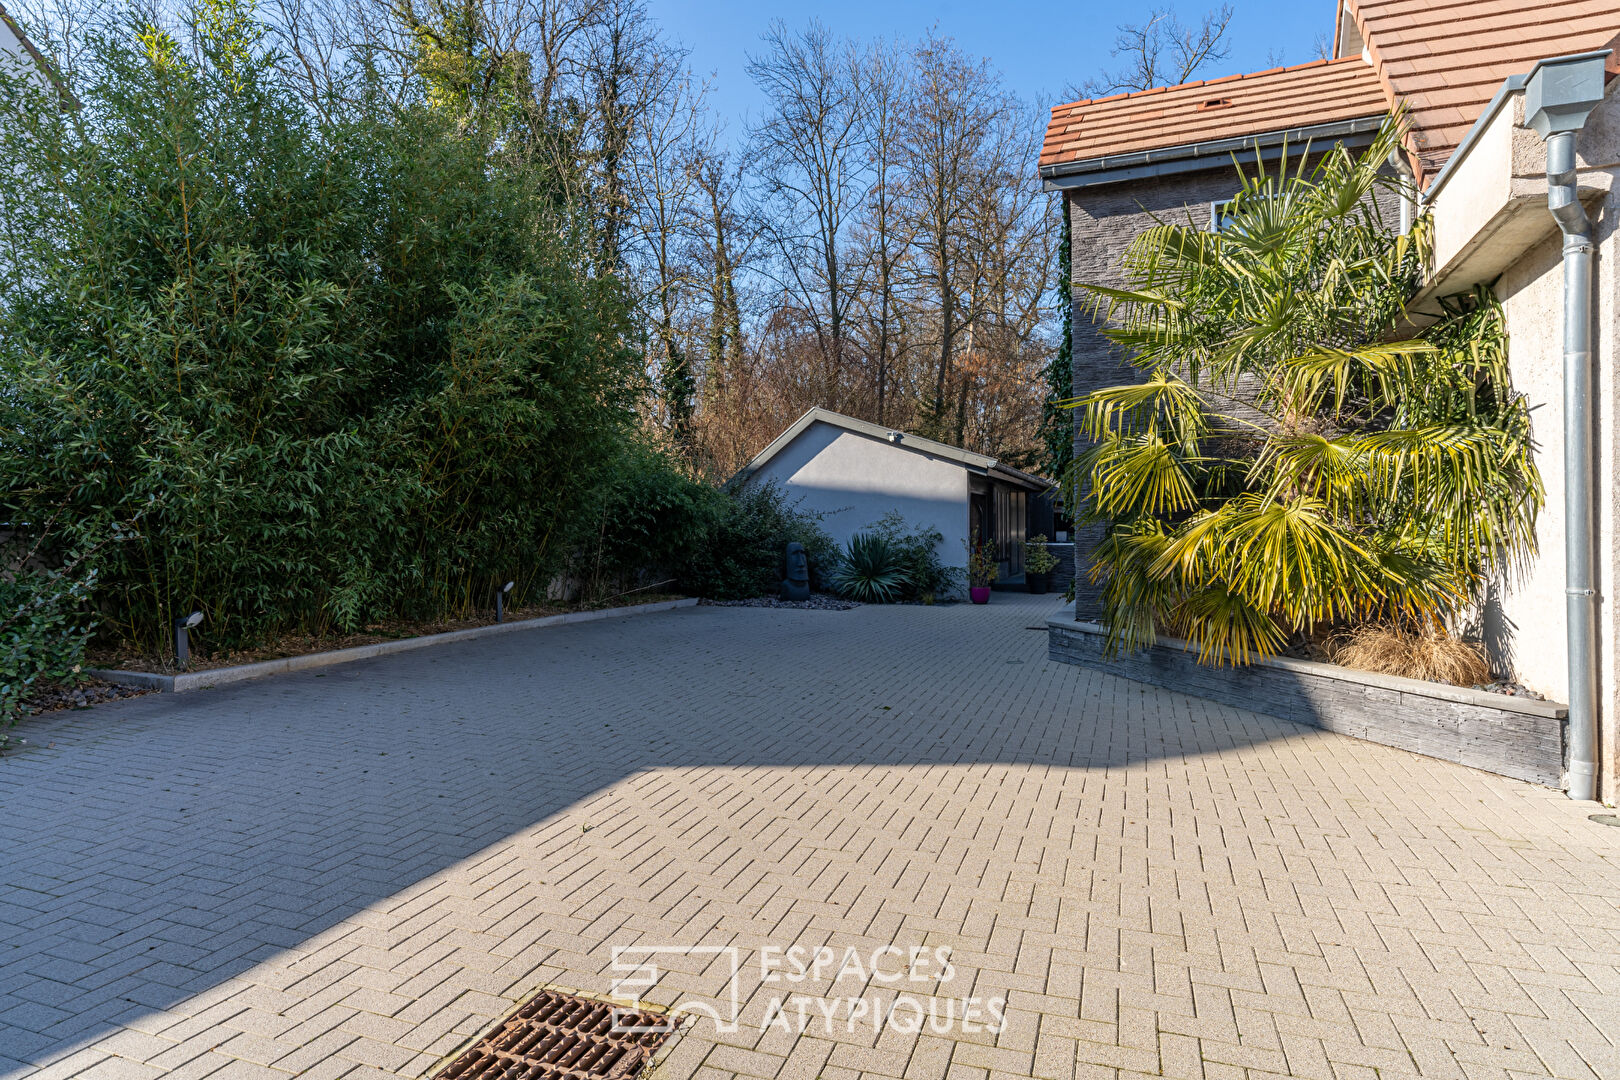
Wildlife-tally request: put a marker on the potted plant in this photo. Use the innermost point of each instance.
(981, 569)
(1039, 562)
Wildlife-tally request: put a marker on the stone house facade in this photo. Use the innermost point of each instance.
(1484, 86)
(1104, 217)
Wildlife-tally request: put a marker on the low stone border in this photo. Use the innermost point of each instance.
(1517, 737)
(201, 680)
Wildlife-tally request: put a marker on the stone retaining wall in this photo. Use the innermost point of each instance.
(1513, 737)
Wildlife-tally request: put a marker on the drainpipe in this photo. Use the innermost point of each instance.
(1398, 162)
(1559, 96)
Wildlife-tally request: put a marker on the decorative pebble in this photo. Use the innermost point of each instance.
(50, 697)
(817, 602)
(1510, 689)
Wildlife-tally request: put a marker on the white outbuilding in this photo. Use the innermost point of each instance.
(853, 472)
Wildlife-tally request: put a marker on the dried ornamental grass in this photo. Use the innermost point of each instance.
(1432, 655)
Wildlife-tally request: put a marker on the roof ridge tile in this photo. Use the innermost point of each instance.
(1444, 58)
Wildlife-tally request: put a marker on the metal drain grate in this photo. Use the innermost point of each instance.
(556, 1036)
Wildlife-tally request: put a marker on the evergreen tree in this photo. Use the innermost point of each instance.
(1057, 423)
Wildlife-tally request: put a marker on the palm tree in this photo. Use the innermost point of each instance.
(1299, 454)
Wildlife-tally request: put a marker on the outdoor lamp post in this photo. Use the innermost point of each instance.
(182, 638)
(500, 601)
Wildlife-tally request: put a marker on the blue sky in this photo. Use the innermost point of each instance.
(1039, 48)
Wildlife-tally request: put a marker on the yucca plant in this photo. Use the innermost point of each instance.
(872, 570)
(1296, 458)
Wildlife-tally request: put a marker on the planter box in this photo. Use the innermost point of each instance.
(1509, 736)
(202, 680)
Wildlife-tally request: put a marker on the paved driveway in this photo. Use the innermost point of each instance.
(351, 873)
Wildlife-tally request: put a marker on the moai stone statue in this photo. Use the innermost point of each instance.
(796, 586)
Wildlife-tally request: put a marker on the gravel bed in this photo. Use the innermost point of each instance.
(817, 602)
(54, 696)
(1510, 689)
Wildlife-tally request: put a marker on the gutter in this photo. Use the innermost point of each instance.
(1027, 481)
(1510, 86)
(1190, 157)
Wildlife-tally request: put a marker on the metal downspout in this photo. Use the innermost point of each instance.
(1559, 96)
(1580, 582)
(1398, 162)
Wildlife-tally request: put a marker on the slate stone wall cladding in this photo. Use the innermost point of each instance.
(1065, 567)
(1518, 738)
(1103, 220)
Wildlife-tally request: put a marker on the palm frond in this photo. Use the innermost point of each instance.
(1377, 370)
(1139, 477)
(1162, 405)
(1226, 627)
(1291, 457)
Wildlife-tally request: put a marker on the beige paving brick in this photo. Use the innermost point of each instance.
(372, 866)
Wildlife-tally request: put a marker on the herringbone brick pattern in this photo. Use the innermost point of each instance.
(350, 873)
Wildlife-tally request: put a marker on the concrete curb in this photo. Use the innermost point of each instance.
(201, 680)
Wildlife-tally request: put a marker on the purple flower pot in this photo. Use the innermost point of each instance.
(979, 594)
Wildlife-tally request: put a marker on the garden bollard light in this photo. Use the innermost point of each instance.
(500, 601)
(182, 638)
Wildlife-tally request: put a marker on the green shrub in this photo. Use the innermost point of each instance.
(743, 555)
(927, 577)
(45, 622)
(1038, 558)
(652, 518)
(872, 571)
(341, 364)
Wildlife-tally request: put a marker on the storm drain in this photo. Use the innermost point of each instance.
(556, 1036)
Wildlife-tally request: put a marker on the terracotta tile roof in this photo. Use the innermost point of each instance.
(1320, 92)
(1447, 58)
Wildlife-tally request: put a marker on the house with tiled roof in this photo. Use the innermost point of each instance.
(1484, 85)
(17, 53)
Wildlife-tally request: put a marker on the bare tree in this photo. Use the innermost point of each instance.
(725, 250)
(632, 82)
(661, 189)
(961, 138)
(883, 236)
(1012, 270)
(808, 157)
(1161, 51)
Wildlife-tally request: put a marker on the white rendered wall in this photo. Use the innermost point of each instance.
(15, 57)
(1533, 604)
(9, 44)
(855, 479)
(1491, 222)
(1532, 295)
